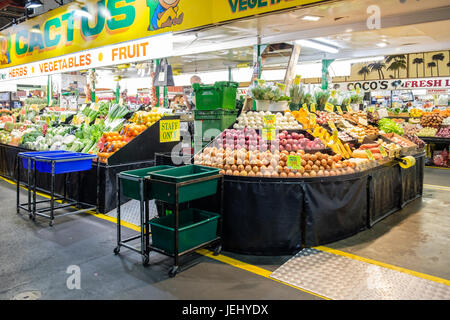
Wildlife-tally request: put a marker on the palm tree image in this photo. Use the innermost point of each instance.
(399, 63)
(418, 61)
(431, 65)
(364, 72)
(377, 66)
(438, 57)
(448, 65)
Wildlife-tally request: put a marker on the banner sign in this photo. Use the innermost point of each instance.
(396, 84)
(88, 24)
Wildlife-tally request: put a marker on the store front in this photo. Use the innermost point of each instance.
(99, 74)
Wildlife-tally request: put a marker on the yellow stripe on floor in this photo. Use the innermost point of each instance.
(442, 168)
(384, 265)
(436, 187)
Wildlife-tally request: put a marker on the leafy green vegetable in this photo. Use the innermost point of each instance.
(389, 126)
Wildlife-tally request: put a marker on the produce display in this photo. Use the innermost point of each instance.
(391, 148)
(411, 129)
(446, 122)
(443, 132)
(414, 112)
(389, 125)
(427, 132)
(434, 120)
(145, 118)
(255, 120)
(415, 139)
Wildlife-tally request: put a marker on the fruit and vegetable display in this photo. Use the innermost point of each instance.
(446, 122)
(415, 139)
(145, 118)
(427, 132)
(443, 132)
(411, 129)
(390, 126)
(434, 120)
(414, 112)
(255, 120)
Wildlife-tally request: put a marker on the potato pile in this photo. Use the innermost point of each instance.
(433, 121)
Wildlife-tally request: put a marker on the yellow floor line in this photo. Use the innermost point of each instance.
(432, 186)
(437, 168)
(251, 268)
(384, 265)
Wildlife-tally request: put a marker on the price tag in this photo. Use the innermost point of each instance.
(372, 109)
(333, 93)
(358, 90)
(348, 108)
(269, 121)
(305, 107)
(297, 79)
(335, 134)
(95, 107)
(339, 110)
(312, 119)
(74, 119)
(313, 107)
(362, 121)
(268, 134)
(370, 155)
(63, 117)
(97, 121)
(332, 125)
(53, 117)
(294, 162)
(329, 107)
(261, 82)
(383, 151)
(86, 121)
(47, 120)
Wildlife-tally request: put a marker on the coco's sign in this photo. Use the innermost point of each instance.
(395, 84)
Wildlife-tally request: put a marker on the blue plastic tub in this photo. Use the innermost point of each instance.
(80, 162)
(31, 155)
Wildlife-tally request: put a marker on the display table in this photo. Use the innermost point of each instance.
(269, 216)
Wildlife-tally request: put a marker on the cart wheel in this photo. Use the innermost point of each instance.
(116, 250)
(145, 260)
(30, 216)
(51, 223)
(217, 250)
(173, 271)
(33, 218)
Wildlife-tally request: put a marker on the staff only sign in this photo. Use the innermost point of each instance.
(395, 84)
(88, 24)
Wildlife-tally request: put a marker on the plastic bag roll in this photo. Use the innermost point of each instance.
(407, 162)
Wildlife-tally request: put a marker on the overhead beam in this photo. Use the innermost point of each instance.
(292, 64)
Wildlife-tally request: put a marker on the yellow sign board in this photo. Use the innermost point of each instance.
(329, 107)
(294, 162)
(87, 24)
(339, 109)
(268, 134)
(297, 79)
(169, 131)
(269, 121)
(313, 107)
(305, 107)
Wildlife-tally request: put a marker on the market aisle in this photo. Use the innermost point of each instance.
(35, 257)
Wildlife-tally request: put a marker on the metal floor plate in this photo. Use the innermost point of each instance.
(341, 278)
(130, 212)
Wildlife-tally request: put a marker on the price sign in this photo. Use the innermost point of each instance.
(362, 121)
(297, 79)
(312, 119)
(63, 117)
(313, 107)
(383, 151)
(95, 107)
(348, 108)
(74, 119)
(339, 110)
(335, 134)
(329, 107)
(53, 117)
(370, 155)
(268, 134)
(333, 93)
(372, 109)
(261, 82)
(97, 121)
(47, 120)
(332, 125)
(305, 107)
(294, 162)
(86, 121)
(269, 121)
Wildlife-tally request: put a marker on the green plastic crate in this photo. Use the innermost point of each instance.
(222, 95)
(131, 187)
(194, 228)
(166, 192)
(218, 120)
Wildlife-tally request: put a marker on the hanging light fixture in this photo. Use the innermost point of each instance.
(31, 4)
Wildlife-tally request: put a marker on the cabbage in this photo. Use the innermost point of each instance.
(69, 139)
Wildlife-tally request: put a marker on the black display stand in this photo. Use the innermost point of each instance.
(269, 216)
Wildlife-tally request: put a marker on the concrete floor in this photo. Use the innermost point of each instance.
(35, 257)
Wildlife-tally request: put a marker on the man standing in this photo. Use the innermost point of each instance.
(189, 97)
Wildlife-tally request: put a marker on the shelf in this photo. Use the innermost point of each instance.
(435, 140)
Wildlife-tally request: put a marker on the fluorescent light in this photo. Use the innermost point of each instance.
(381, 44)
(317, 45)
(349, 30)
(369, 59)
(83, 13)
(31, 4)
(311, 18)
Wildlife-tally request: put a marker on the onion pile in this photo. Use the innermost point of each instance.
(255, 120)
(295, 142)
(247, 139)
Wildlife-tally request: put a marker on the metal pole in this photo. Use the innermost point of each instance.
(18, 183)
(34, 188)
(146, 220)
(141, 202)
(29, 184)
(176, 225)
(52, 191)
(118, 212)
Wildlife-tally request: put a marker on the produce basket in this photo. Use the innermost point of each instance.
(408, 148)
(218, 120)
(30, 155)
(222, 95)
(131, 180)
(163, 184)
(195, 227)
(64, 163)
